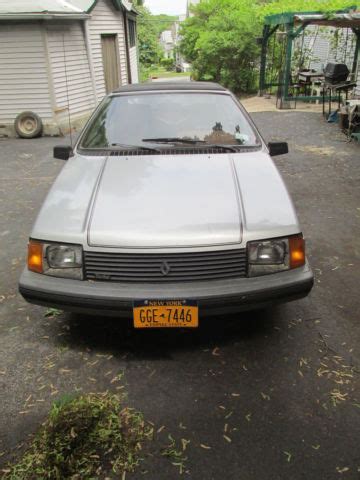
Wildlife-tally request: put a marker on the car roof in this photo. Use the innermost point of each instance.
(155, 86)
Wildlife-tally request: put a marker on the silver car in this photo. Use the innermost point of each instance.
(168, 209)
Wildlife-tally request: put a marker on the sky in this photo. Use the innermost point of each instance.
(170, 7)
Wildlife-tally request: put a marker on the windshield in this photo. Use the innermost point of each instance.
(153, 119)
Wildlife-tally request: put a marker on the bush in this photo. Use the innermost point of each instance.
(168, 64)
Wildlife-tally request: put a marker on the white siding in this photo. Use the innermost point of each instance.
(105, 19)
(343, 51)
(66, 43)
(134, 65)
(23, 73)
(315, 47)
(321, 43)
(324, 48)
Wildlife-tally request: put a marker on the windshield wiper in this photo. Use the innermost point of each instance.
(173, 140)
(135, 147)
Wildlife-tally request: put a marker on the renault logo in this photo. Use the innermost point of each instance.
(165, 268)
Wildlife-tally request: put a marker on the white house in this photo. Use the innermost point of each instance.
(168, 44)
(61, 55)
(179, 60)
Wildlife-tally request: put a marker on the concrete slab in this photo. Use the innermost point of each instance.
(268, 104)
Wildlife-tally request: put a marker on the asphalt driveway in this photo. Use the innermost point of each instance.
(265, 395)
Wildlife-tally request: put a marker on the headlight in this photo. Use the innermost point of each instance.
(271, 256)
(63, 256)
(55, 259)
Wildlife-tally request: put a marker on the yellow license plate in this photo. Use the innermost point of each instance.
(166, 314)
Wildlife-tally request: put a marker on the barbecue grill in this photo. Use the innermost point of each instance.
(336, 73)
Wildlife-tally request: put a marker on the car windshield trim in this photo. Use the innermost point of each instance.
(255, 136)
(173, 148)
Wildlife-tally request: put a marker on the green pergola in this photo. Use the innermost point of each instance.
(293, 24)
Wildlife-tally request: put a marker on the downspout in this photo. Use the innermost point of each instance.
(49, 72)
(90, 59)
(137, 52)
(126, 32)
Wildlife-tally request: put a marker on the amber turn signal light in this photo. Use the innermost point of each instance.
(35, 257)
(297, 251)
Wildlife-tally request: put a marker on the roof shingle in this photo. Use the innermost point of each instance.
(43, 7)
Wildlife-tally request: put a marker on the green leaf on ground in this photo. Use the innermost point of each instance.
(288, 456)
(175, 454)
(84, 437)
(52, 312)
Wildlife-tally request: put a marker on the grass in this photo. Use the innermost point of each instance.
(159, 72)
(91, 436)
(162, 72)
(175, 454)
(165, 74)
(52, 312)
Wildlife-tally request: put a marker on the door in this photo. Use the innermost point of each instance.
(109, 46)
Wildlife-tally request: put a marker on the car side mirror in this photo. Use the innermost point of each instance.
(63, 152)
(278, 148)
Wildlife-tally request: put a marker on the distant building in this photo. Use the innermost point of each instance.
(58, 56)
(167, 43)
(176, 35)
(170, 40)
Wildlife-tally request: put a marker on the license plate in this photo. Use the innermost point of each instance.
(166, 314)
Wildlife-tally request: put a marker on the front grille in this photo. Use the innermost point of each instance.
(161, 267)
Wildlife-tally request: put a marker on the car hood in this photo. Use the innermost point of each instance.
(166, 201)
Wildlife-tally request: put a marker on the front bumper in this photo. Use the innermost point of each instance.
(214, 297)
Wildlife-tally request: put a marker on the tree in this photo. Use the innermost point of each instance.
(149, 49)
(220, 42)
(220, 39)
(163, 22)
(149, 28)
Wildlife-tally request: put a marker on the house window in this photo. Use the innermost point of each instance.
(132, 33)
